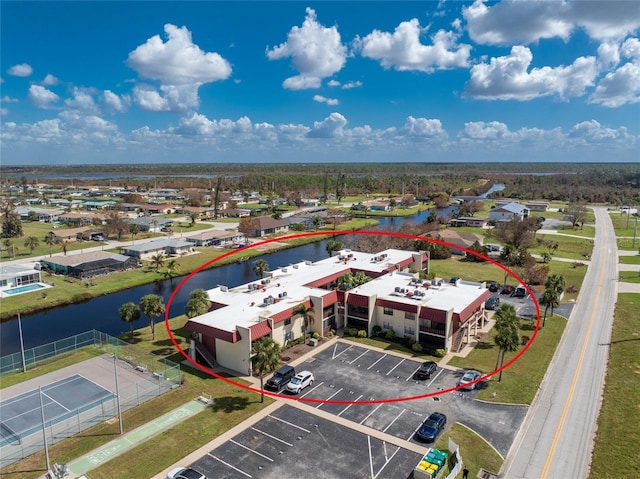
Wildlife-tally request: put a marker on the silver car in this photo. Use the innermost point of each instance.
(299, 382)
(467, 378)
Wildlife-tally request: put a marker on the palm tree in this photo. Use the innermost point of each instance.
(345, 282)
(134, 229)
(266, 359)
(151, 305)
(50, 240)
(7, 245)
(172, 268)
(556, 283)
(260, 268)
(157, 260)
(129, 312)
(198, 303)
(549, 299)
(32, 243)
(308, 317)
(507, 337)
(333, 245)
(65, 246)
(360, 278)
(316, 221)
(193, 215)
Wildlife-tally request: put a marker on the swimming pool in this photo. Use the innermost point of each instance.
(23, 289)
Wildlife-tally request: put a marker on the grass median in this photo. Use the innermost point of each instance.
(617, 442)
(521, 380)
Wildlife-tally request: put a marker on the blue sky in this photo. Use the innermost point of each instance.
(140, 82)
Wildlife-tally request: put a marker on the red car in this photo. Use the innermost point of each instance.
(507, 290)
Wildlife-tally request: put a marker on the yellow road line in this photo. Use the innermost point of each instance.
(574, 382)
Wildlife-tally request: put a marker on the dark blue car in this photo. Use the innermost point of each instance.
(431, 427)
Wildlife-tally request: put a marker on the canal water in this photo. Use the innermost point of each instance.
(102, 313)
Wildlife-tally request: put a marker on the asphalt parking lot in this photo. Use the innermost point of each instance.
(347, 373)
(525, 307)
(294, 443)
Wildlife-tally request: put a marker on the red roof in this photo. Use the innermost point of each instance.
(475, 304)
(439, 315)
(263, 328)
(357, 300)
(409, 308)
(210, 331)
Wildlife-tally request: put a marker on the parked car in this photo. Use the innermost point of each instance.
(185, 473)
(467, 378)
(431, 427)
(300, 381)
(280, 378)
(492, 303)
(507, 290)
(98, 238)
(494, 287)
(520, 292)
(426, 370)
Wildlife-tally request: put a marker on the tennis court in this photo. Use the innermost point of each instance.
(21, 416)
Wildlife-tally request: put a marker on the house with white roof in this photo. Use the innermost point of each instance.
(508, 212)
(433, 313)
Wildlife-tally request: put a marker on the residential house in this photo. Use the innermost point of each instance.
(216, 238)
(43, 215)
(169, 247)
(157, 209)
(508, 212)
(86, 265)
(265, 225)
(470, 221)
(461, 239)
(151, 224)
(16, 276)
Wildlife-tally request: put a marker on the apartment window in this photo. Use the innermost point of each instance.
(388, 311)
(410, 316)
(409, 330)
(287, 321)
(386, 325)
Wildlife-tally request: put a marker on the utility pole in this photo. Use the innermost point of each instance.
(24, 363)
(44, 430)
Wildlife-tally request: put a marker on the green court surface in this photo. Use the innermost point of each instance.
(133, 438)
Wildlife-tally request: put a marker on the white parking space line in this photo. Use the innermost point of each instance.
(365, 352)
(290, 424)
(387, 462)
(333, 356)
(401, 361)
(414, 432)
(369, 415)
(377, 362)
(336, 355)
(334, 394)
(413, 373)
(272, 437)
(435, 377)
(311, 390)
(394, 420)
(370, 456)
(251, 450)
(229, 465)
(348, 406)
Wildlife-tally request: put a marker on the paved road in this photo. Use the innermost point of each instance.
(556, 439)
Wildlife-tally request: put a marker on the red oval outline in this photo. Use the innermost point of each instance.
(341, 233)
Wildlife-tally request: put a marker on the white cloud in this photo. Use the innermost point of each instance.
(423, 129)
(20, 70)
(479, 130)
(41, 97)
(333, 83)
(352, 84)
(403, 51)
(4, 111)
(8, 99)
(331, 127)
(315, 50)
(328, 101)
(177, 98)
(115, 103)
(178, 61)
(619, 87)
(593, 133)
(631, 48)
(608, 54)
(82, 101)
(50, 80)
(510, 22)
(507, 78)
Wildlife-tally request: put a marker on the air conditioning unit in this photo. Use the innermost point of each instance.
(284, 294)
(398, 289)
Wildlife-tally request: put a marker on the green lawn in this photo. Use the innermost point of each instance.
(391, 346)
(629, 244)
(475, 452)
(629, 259)
(618, 441)
(568, 246)
(521, 380)
(630, 276)
(625, 225)
(586, 230)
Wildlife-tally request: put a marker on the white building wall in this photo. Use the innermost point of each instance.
(235, 356)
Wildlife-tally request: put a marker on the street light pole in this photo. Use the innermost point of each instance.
(115, 370)
(44, 430)
(24, 363)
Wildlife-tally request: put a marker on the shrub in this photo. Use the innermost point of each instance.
(417, 347)
(307, 336)
(316, 335)
(376, 331)
(362, 333)
(390, 334)
(439, 353)
(332, 332)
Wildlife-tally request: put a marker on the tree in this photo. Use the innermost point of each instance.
(316, 221)
(65, 246)
(548, 300)
(50, 240)
(517, 232)
(333, 245)
(556, 283)
(436, 250)
(134, 229)
(577, 212)
(10, 220)
(308, 317)
(345, 282)
(151, 305)
(8, 245)
(549, 248)
(32, 243)
(216, 197)
(266, 359)
(157, 260)
(198, 303)
(193, 216)
(477, 248)
(171, 268)
(507, 333)
(129, 312)
(116, 225)
(470, 208)
(260, 268)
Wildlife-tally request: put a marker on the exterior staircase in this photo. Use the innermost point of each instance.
(205, 354)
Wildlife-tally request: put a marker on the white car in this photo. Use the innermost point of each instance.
(299, 382)
(185, 473)
(467, 378)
